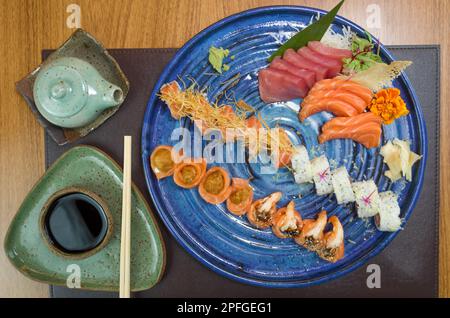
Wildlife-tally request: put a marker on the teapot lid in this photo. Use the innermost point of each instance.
(60, 90)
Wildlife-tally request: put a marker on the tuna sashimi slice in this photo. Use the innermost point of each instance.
(294, 58)
(279, 64)
(277, 86)
(329, 51)
(333, 65)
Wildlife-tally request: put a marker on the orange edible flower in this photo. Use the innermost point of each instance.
(389, 105)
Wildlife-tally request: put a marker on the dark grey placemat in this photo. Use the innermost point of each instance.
(409, 265)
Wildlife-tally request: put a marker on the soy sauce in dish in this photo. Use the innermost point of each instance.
(76, 223)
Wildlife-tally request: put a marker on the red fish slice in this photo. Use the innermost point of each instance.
(334, 66)
(329, 51)
(276, 86)
(308, 76)
(294, 58)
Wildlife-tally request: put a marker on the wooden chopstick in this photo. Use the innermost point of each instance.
(125, 239)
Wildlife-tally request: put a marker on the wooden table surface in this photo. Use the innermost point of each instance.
(27, 27)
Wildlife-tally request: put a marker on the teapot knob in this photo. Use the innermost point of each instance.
(60, 91)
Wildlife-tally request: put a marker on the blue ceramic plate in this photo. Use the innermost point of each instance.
(228, 244)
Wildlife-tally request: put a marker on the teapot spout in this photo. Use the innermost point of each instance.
(111, 95)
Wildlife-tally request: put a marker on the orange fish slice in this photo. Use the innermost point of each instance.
(189, 173)
(162, 161)
(241, 197)
(333, 249)
(165, 91)
(311, 236)
(253, 122)
(215, 186)
(262, 210)
(364, 128)
(287, 222)
(334, 106)
(342, 84)
(338, 96)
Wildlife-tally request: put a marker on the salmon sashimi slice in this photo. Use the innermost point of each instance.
(363, 128)
(294, 58)
(327, 84)
(277, 86)
(345, 85)
(357, 89)
(334, 106)
(329, 51)
(337, 96)
(356, 120)
(308, 76)
(334, 66)
(342, 95)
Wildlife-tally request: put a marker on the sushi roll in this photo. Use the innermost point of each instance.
(389, 217)
(322, 175)
(301, 165)
(342, 186)
(367, 198)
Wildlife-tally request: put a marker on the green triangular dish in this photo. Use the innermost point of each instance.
(88, 168)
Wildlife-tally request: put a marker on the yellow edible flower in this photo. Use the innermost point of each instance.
(389, 105)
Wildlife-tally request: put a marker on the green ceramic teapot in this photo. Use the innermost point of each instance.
(70, 92)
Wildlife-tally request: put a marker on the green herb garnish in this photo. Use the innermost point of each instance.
(313, 32)
(216, 56)
(363, 55)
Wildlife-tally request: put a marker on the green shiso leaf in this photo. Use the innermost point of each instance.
(216, 56)
(313, 32)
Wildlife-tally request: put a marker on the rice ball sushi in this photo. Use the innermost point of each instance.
(388, 219)
(322, 175)
(367, 198)
(301, 165)
(342, 186)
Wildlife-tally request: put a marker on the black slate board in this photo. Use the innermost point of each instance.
(409, 265)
